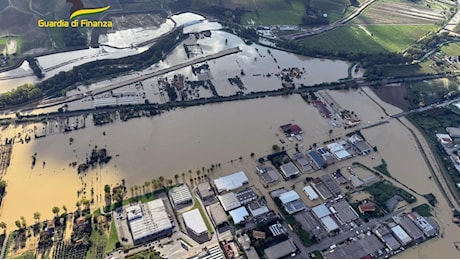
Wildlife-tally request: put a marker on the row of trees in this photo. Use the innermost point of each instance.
(21, 94)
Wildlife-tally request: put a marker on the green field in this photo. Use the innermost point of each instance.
(290, 14)
(335, 9)
(452, 49)
(4, 40)
(113, 238)
(369, 38)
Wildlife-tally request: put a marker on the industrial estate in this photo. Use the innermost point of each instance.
(230, 129)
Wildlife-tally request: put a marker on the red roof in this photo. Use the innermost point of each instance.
(365, 207)
(296, 129)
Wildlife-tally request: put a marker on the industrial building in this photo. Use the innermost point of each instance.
(289, 170)
(311, 194)
(280, 250)
(387, 238)
(277, 229)
(321, 189)
(321, 211)
(246, 196)
(268, 174)
(303, 162)
(291, 202)
(239, 215)
(423, 224)
(343, 211)
(148, 221)
(414, 232)
(339, 151)
(258, 208)
(362, 248)
(196, 228)
(317, 160)
(401, 235)
(205, 191)
(180, 195)
(359, 145)
(218, 215)
(445, 139)
(229, 201)
(231, 182)
(330, 184)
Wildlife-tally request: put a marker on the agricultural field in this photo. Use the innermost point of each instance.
(275, 12)
(452, 49)
(401, 12)
(369, 38)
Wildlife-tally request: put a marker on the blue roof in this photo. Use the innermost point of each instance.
(315, 156)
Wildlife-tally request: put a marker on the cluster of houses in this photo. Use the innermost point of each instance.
(450, 141)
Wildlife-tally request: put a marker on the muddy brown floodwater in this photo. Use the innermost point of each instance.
(188, 139)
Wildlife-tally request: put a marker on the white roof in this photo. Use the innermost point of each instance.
(239, 214)
(335, 147)
(180, 194)
(289, 196)
(289, 169)
(229, 201)
(401, 234)
(312, 195)
(354, 139)
(231, 182)
(444, 138)
(342, 154)
(329, 223)
(321, 211)
(194, 221)
(154, 220)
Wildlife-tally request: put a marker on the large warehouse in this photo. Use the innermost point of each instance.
(148, 221)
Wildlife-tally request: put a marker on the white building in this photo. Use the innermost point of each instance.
(195, 225)
(180, 195)
(231, 182)
(338, 150)
(229, 201)
(311, 194)
(239, 215)
(289, 170)
(148, 221)
(401, 235)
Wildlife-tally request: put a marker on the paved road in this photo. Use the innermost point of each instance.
(328, 27)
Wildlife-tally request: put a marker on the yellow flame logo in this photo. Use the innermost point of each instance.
(88, 11)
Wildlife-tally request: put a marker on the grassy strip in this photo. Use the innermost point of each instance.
(186, 242)
(316, 255)
(383, 168)
(113, 238)
(423, 210)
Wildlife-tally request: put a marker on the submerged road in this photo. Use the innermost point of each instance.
(140, 78)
